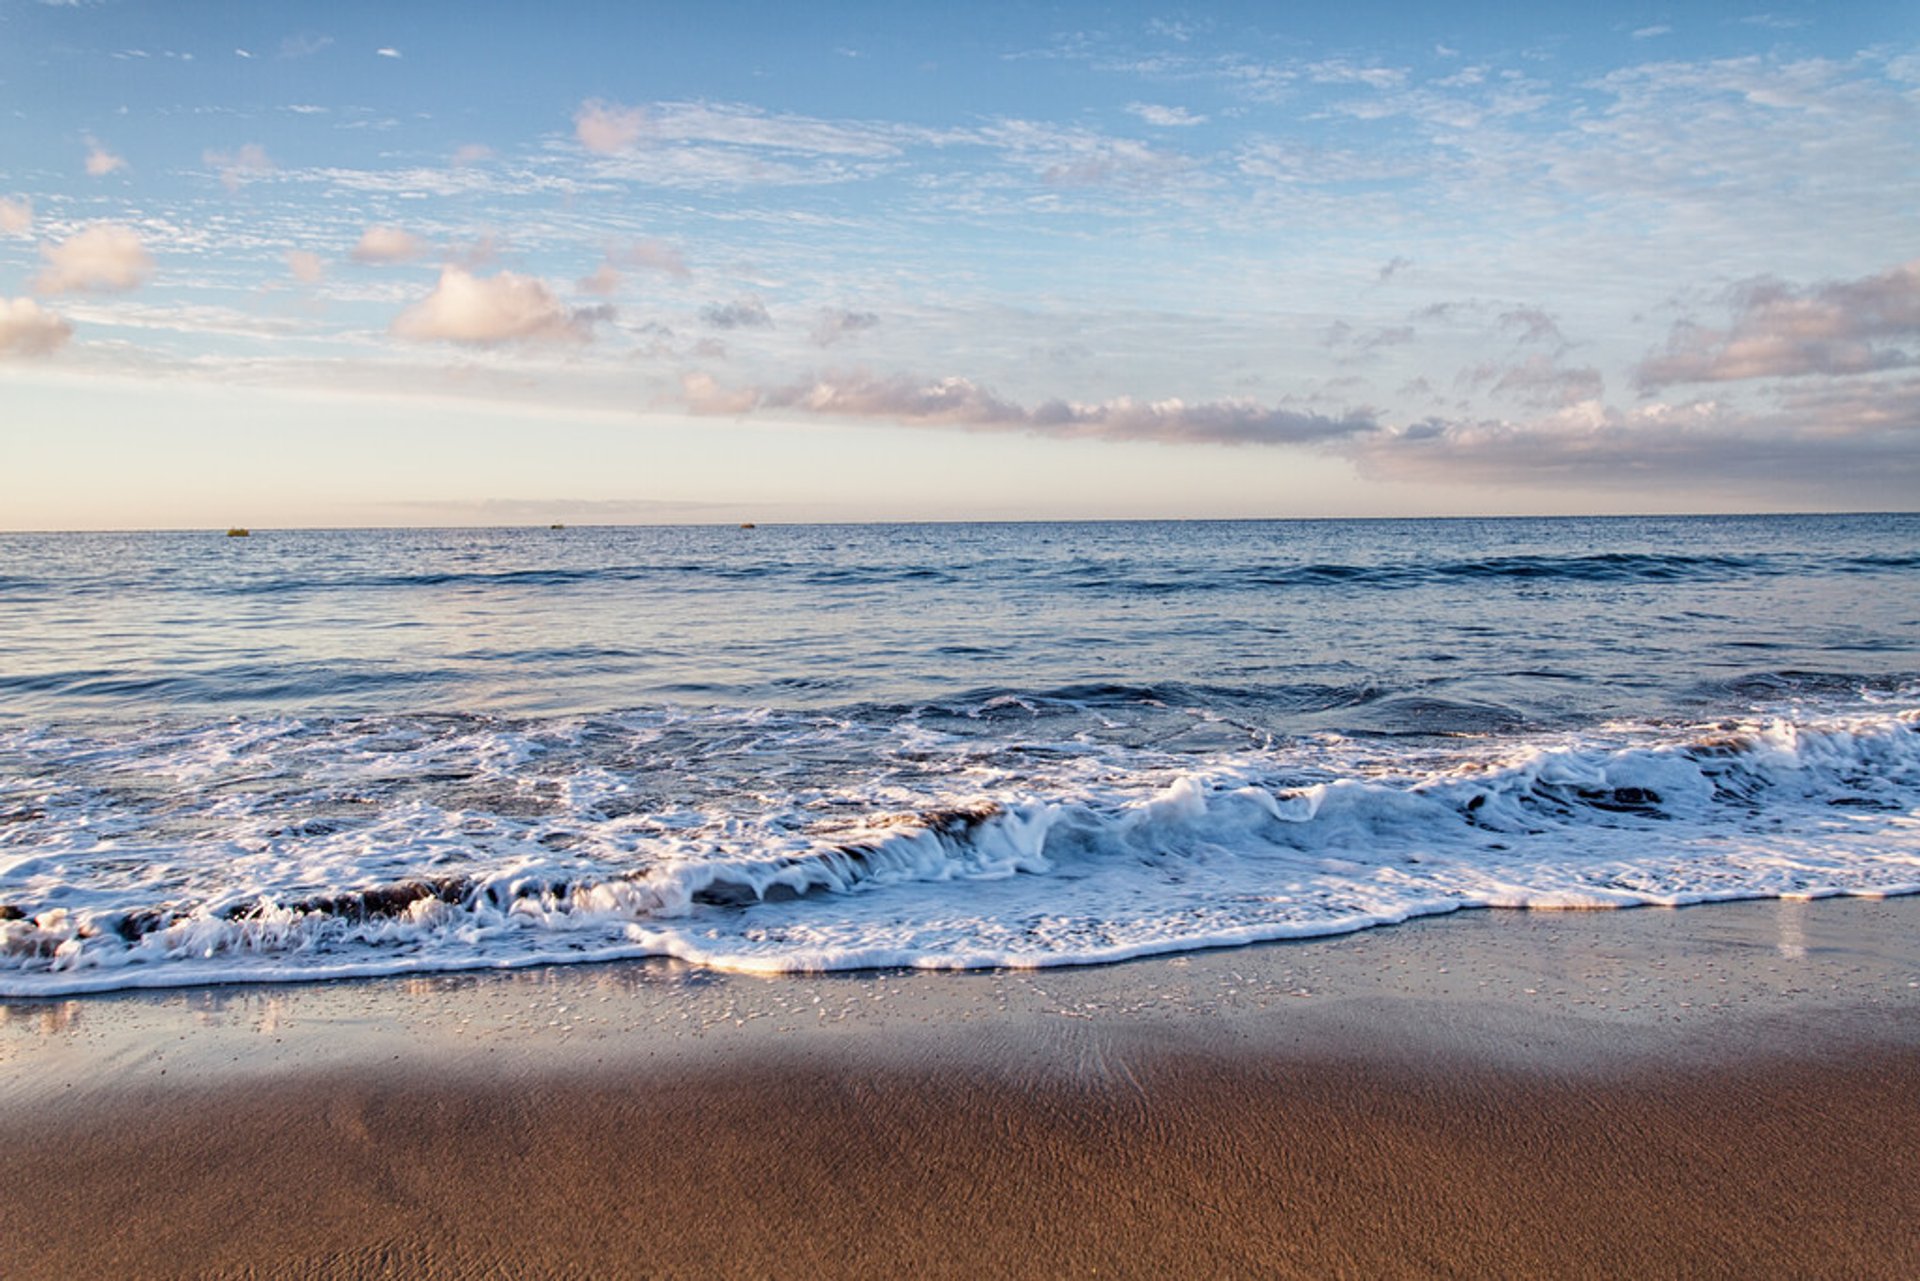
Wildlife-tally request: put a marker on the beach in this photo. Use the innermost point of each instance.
(1717, 1090)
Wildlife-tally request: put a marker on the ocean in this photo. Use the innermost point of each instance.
(316, 754)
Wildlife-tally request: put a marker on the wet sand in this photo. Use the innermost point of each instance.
(1724, 1091)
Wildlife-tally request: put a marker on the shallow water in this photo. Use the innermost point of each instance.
(361, 752)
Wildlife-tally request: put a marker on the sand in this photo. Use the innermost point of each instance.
(1721, 1091)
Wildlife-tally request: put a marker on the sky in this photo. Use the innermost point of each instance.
(373, 264)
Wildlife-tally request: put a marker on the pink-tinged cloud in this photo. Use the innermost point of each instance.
(100, 161)
(27, 329)
(236, 167)
(472, 153)
(1779, 331)
(307, 268)
(105, 258)
(651, 255)
(608, 127)
(16, 216)
(1848, 444)
(962, 403)
(485, 311)
(387, 244)
(604, 282)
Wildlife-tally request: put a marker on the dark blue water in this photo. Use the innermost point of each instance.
(1364, 625)
(366, 752)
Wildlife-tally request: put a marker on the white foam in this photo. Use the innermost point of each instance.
(237, 847)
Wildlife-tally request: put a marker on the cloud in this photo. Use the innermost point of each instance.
(1851, 445)
(16, 216)
(307, 268)
(742, 313)
(605, 281)
(659, 256)
(485, 311)
(237, 166)
(26, 329)
(834, 323)
(651, 255)
(105, 258)
(1393, 267)
(1341, 334)
(706, 397)
(1533, 325)
(1648, 33)
(100, 161)
(304, 45)
(1779, 331)
(472, 153)
(962, 403)
(386, 51)
(1539, 381)
(608, 127)
(1165, 117)
(387, 244)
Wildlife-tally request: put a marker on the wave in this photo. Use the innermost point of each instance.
(1108, 856)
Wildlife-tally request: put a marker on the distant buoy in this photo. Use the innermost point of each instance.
(556, 526)
(747, 524)
(237, 532)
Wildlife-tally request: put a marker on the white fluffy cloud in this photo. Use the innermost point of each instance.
(100, 161)
(485, 311)
(16, 216)
(387, 244)
(27, 329)
(105, 258)
(307, 268)
(608, 127)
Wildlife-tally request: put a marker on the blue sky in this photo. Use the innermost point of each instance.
(304, 264)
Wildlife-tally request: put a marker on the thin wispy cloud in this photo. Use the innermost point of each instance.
(304, 45)
(16, 216)
(1165, 117)
(238, 166)
(958, 402)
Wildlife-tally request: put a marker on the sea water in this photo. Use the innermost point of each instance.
(310, 754)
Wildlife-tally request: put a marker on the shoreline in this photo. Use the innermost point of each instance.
(1718, 1089)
